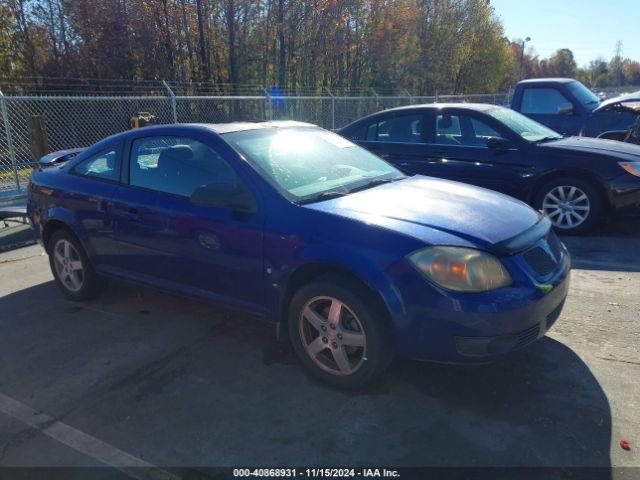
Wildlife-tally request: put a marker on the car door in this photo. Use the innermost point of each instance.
(552, 108)
(458, 149)
(167, 240)
(90, 197)
(396, 137)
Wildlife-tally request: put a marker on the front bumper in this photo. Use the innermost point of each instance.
(623, 193)
(468, 328)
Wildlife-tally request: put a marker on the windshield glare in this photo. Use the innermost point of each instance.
(528, 129)
(305, 162)
(585, 96)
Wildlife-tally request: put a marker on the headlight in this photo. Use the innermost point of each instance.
(632, 167)
(461, 269)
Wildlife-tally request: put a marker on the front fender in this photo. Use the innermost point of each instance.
(369, 267)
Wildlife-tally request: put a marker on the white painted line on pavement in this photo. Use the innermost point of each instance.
(82, 442)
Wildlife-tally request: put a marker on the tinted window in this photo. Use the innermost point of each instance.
(177, 165)
(462, 130)
(542, 101)
(404, 128)
(103, 165)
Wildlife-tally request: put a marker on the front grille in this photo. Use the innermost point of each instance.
(540, 261)
(554, 245)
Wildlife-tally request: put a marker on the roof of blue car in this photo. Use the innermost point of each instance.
(551, 80)
(241, 126)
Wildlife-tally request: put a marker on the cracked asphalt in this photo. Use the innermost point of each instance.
(160, 380)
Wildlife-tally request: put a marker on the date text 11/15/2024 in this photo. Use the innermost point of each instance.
(315, 473)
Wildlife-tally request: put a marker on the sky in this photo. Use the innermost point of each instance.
(589, 28)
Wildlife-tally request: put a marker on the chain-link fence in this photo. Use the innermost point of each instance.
(79, 121)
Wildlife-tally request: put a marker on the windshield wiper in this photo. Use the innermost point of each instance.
(323, 196)
(375, 182)
(547, 139)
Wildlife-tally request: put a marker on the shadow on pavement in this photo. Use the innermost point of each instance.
(205, 389)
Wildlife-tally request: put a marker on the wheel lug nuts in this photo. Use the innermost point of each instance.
(323, 328)
(333, 327)
(334, 344)
(325, 340)
(339, 336)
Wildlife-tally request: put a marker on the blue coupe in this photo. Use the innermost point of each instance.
(352, 259)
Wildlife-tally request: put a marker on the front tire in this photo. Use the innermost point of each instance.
(339, 334)
(572, 205)
(70, 266)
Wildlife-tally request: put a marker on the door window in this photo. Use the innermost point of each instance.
(403, 129)
(462, 130)
(103, 165)
(177, 165)
(544, 101)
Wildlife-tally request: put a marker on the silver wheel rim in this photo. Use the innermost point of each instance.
(332, 335)
(566, 206)
(68, 265)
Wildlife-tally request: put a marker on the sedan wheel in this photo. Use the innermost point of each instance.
(332, 335)
(68, 265)
(566, 206)
(340, 331)
(572, 204)
(71, 268)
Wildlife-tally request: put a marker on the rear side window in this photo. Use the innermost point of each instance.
(403, 129)
(177, 165)
(543, 101)
(103, 165)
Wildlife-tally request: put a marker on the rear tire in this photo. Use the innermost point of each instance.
(572, 205)
(70, 267)
(339, 333)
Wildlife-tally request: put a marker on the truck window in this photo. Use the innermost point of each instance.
(542, 101)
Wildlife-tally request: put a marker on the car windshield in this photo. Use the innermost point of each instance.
(309, 163)
(585, 96)
(526, 128)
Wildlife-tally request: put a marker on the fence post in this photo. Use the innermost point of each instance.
(333, 108)
(172, 96)
(7, 128)
(375, 94)
(268, 98)
(409, 95)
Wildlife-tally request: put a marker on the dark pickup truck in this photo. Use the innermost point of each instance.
(568, 107)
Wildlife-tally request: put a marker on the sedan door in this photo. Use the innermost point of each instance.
(168, 241)
(468, 146)
(397, 137)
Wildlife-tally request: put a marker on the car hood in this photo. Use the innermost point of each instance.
(619, 150)
(437, 211)
(629, 97)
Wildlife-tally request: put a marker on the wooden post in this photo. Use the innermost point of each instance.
(38, 136)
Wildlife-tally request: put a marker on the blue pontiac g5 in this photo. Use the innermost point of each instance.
(355, 260)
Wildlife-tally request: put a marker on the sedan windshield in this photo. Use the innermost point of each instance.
(522, 126)
(311, 164)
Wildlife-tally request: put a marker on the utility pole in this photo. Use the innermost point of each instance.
(522, 57)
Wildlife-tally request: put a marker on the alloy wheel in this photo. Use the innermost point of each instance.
(567, 206)
(332, 335)
(68, 265)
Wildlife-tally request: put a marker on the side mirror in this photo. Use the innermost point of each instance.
(223, 195)
(499, 143)
(565, 109)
